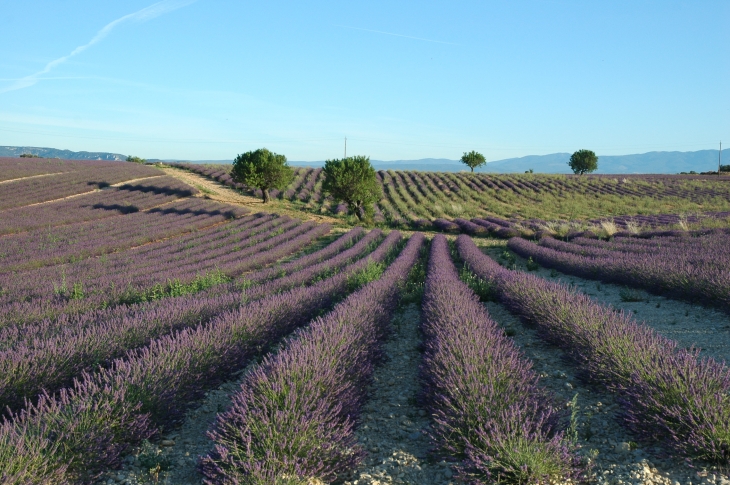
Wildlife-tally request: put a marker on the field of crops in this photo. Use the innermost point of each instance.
(150, 335)
(525, 203)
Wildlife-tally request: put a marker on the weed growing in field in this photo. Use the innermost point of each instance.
(572, 432)
(508, 259)
(175, 288)
(153, 462)
(413, 289)
(369, 273)
(532, 265)
(77, 293)
(629, 295)
(483, 288)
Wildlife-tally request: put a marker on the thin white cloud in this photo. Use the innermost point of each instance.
(147, 13)
(397, 35)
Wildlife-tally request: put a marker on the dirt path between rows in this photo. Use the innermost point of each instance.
(30, 177)
(215, 190)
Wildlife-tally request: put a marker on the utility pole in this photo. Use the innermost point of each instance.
(719, 160)
(345, 147)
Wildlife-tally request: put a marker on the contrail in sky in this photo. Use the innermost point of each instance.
(147, 13)
(398, 35)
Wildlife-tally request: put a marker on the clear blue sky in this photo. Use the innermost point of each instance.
(208, 79)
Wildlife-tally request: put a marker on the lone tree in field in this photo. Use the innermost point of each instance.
(352, 180)
(583, 161)
(262, 169)
(473, 159)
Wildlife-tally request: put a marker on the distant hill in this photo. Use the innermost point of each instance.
(652, 162)
(56, 153)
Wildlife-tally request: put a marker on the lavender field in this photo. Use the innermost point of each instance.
(524, 205)
(149, 334)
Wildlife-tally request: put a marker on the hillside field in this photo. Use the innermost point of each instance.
(160, 324)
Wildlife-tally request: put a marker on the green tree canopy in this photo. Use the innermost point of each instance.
(130, 158)
(583, 161)
(262, 169)
(352, 180)
(473, 159)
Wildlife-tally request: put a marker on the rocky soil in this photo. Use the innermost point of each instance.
(394, 428)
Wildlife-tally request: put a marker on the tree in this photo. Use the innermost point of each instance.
(130, 158)
(473, 159)
(352, 180)
(583, 161)
(262, 169)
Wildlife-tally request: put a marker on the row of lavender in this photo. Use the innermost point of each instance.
(104, 412)
(124, 199)
(16, 168)
(49, 354)
(175, 266)
(488, 408)
(432, 200)
(693, 268)
(294, 417)
(622, 226)
(34, 190)
(668, 394)
(74, 242)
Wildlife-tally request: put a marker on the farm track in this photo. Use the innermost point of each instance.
(222, 193)
(31, 177)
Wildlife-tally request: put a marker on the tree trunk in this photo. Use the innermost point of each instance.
(472, 169)
(266, 195)
(358, 211)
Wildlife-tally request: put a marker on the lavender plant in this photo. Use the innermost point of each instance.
(488, 409)
(668, 394)
(293, 419)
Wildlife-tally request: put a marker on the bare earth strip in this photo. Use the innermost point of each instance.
(31, 177)
(215, 190)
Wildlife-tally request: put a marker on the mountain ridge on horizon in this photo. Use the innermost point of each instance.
(658, 162)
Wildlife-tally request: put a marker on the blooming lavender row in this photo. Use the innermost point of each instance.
(94, 273)
(293, 419)
(50, 363)
(330, 250)
(322, 269)
(125, 199)
(266, 251)
(41, 189)
(668, 394)
(488, 409)
(679, 271)
(14, 335)
(446, 226)
(74, 242)
(83, 430)
(471, 228)
(12, 168)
